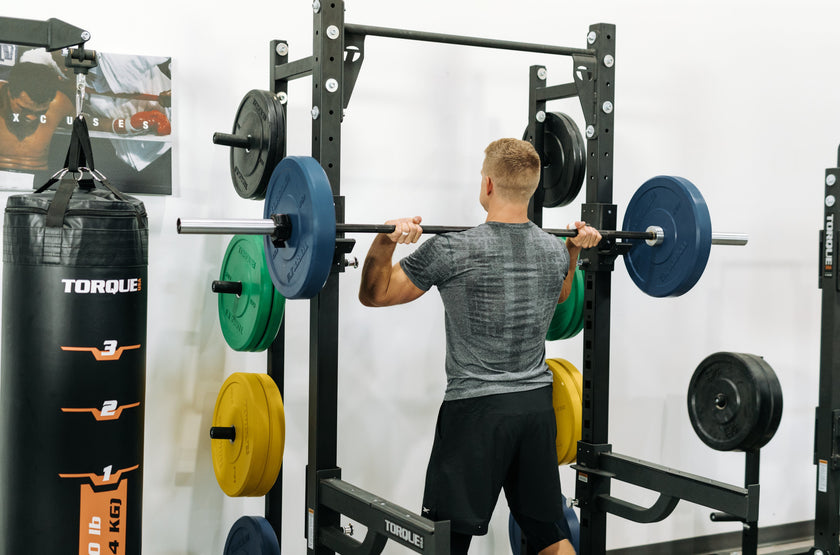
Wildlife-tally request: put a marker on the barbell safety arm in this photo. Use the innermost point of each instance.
(281, 229)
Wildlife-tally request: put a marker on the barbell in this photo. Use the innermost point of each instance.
(279, 228)
(664, 260)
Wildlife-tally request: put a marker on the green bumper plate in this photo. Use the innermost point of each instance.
(250, 320)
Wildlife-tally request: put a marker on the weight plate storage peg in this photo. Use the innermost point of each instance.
(564, 160)
(257, 143)
(734, 401)
(250, 308)
(676, 206)
(299, 188)
(251, 535)
(567, 401)
(248, 435)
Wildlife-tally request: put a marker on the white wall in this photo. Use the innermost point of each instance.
(739, 97)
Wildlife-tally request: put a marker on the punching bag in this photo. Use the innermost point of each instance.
(73, 371)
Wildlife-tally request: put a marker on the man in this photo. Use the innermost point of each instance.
(32, 107)
(499, 283)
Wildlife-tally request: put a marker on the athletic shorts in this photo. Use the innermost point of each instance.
(485, 444)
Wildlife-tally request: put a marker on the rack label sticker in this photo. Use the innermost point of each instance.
(310, 537)
(828, 248)
(822, 476)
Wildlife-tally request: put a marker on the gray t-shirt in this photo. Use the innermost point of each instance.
(499, 284)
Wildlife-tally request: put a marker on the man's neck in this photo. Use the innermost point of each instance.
(508, 214)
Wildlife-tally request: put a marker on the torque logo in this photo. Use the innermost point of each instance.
(828, 256)
(111, 351)
(404, 534)
(102, 286)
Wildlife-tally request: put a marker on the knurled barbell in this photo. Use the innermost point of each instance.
(300, 231)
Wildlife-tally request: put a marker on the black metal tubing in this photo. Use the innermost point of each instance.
(52, 34)
(294, 70)
(383, 518)
(336, 539)
(749, 533)
(826, 427)
(734, 500)
(323, 309)
(462, 40)
(557, 92)
(535, 134)
(596, 84)
(275, 364)
(660, 510)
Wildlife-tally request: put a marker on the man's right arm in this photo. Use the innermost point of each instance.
(586, 238)
(384, 283)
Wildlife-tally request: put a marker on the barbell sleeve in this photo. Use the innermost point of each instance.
(226, 227)
(281, 229)
(735, 239)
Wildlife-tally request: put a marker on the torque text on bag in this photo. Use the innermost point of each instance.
(103, 286)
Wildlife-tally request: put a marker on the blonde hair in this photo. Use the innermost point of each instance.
(514, 166)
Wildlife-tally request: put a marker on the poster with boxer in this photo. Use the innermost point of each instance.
(127, 104)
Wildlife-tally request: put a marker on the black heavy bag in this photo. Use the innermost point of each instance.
(73, 371)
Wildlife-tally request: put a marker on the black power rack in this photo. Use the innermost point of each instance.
(338, 53)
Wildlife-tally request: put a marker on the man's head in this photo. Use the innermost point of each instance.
(31, 89)
(514, 167)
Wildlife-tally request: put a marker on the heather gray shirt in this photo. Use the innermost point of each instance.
(499, 284)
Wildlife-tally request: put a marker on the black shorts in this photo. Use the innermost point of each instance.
(488, 443)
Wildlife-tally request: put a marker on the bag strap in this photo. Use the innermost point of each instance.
(104, 180)
(79, 159)
(79, 156)
(80, 153)
(58, 206)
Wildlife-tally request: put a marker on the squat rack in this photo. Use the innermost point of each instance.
(338, 52)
